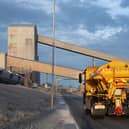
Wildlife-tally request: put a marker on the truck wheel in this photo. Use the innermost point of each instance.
(87, 111)
(93, 114)
(97, 113)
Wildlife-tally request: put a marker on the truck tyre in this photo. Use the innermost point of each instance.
(93, 114)
(96, 114)
(84, 105)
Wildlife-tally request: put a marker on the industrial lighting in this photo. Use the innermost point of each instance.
(53, 54)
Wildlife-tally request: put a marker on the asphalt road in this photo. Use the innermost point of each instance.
(85, 121)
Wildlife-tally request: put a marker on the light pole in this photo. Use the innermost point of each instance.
(53, 55)
(93, 61)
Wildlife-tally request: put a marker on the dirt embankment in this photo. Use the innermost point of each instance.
(21, 107)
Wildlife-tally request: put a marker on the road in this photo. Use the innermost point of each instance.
(86, 122)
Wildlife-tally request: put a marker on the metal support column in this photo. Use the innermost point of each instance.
(27, 79)
(53, 56)
(93, 61)
(47, 78)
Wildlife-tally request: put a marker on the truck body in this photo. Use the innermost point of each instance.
(106, 89)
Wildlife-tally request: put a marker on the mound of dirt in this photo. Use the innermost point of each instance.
(20, 106)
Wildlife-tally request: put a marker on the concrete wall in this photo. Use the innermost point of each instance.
(22, 43)
(2, 61)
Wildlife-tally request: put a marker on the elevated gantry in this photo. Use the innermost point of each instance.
(22, 51)
(41, 67)
(75, 48)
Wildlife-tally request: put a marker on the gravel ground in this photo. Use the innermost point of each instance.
(22, 108)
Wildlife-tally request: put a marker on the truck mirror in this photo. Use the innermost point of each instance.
(80, 78)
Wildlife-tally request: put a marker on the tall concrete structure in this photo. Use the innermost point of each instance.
(22, 43)
(2, 61)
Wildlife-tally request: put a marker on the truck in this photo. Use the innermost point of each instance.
(106, 89)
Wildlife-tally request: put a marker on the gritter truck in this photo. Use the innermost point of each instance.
(106, 89)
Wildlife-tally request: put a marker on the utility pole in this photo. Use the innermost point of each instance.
(53, 55)
(93, 61)
(46, 78)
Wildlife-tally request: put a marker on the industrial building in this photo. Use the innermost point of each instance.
(22, 44)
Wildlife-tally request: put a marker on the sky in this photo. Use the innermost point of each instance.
(102, 25)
